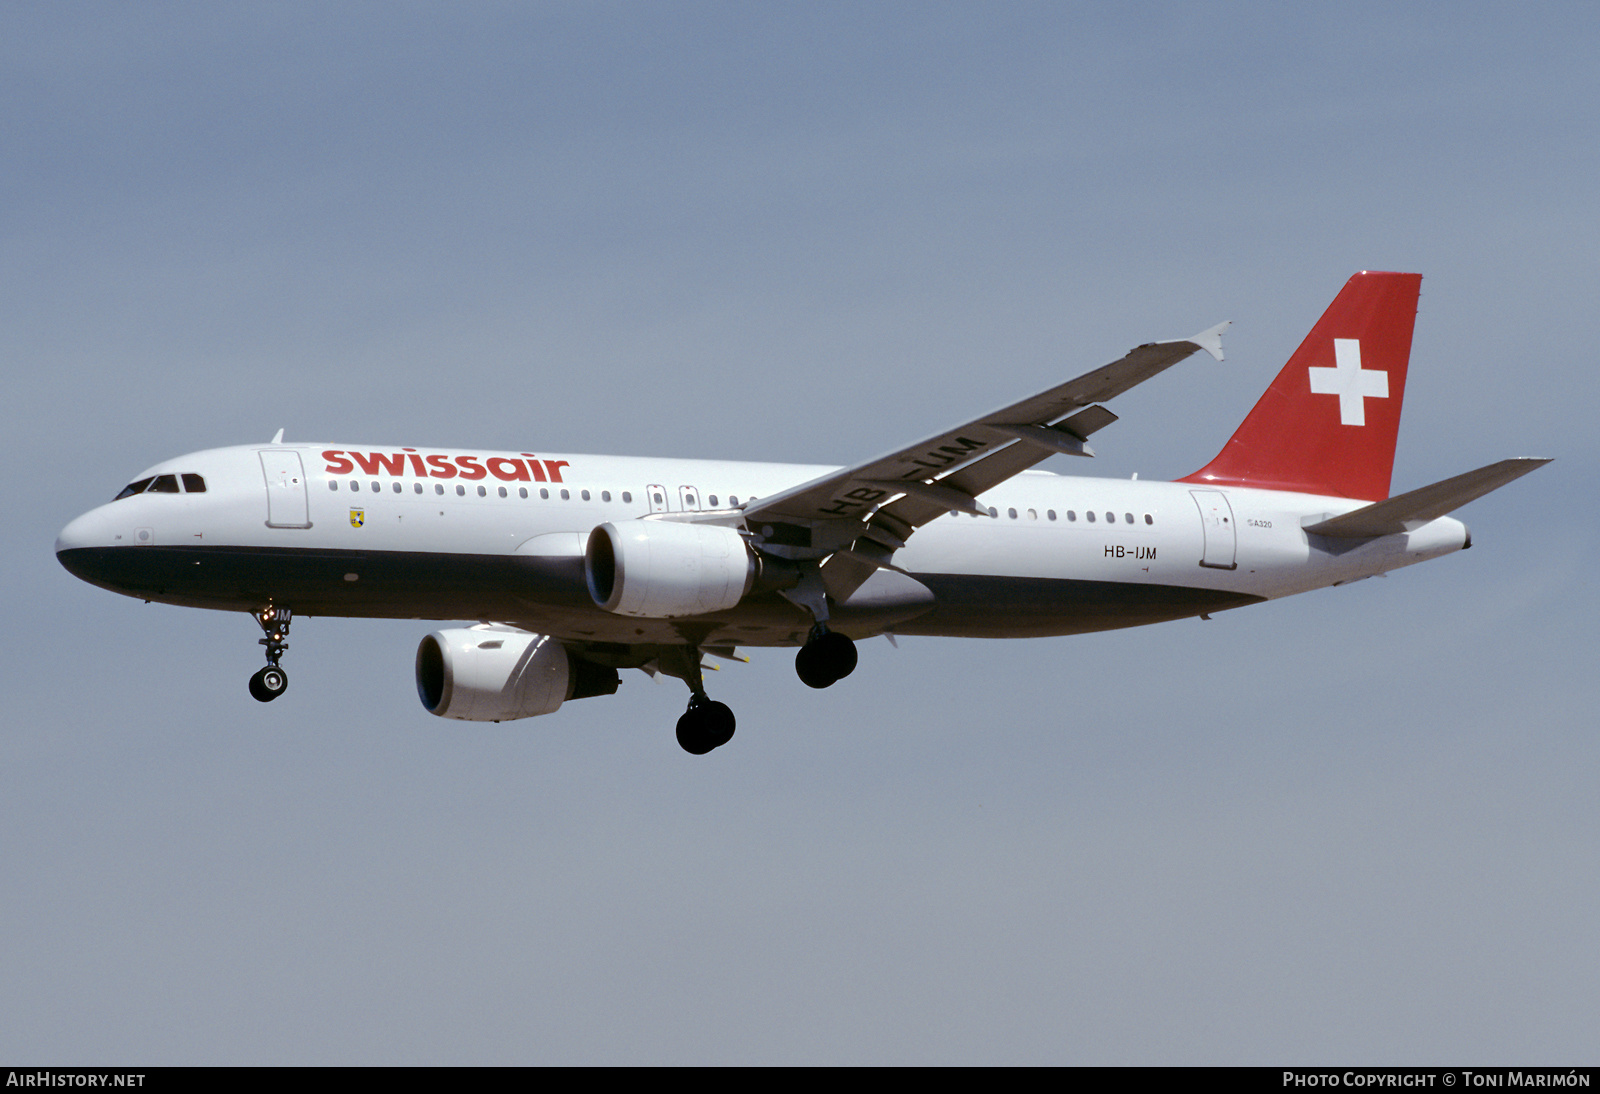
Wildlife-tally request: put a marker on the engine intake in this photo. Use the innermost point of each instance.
(495, 674)
(657, 569)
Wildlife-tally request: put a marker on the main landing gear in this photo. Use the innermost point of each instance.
(272, 681)
(707, 724)
(826, 658)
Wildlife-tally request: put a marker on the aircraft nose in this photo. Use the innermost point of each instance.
(84, 541)
(84, 531)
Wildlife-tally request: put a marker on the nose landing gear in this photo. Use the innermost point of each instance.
(272, 681)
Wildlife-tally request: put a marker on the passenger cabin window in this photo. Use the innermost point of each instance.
(626, 497)
(1090, 516)
(584, 494)
(193, 484)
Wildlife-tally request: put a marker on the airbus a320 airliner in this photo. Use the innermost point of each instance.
(577, 566)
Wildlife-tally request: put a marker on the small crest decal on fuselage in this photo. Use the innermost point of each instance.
(358, 517)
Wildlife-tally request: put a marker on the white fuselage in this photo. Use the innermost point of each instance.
(451, 534)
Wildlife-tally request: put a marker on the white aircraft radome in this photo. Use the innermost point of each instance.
(576, 566)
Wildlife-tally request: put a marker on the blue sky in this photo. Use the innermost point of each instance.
(1354, 825)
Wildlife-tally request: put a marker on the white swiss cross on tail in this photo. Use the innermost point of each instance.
(1347, 379)
(1292, 440)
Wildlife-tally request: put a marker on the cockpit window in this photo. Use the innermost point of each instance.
(134, 488)
(163, 484)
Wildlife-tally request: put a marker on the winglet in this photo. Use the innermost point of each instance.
(1211, 340)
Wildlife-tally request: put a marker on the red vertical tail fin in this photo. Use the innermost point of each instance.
(1328, 423)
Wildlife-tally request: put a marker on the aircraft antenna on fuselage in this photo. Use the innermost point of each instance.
(277, 438)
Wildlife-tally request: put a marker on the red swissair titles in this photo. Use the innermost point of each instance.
(433, 466)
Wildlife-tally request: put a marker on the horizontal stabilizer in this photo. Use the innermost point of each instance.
(1415, 508)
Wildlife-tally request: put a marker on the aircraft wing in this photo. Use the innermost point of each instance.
(905, 489)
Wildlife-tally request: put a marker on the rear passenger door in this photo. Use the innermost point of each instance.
(1216, 522)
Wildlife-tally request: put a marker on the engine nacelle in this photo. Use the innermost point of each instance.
(495, 674)
(658, 569)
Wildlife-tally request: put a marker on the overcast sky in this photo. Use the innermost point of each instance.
(1354, 826)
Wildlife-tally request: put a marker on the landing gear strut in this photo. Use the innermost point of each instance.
(826, 658)
(272, 681)
(707, 724)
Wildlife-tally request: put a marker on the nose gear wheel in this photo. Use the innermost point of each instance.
(267, 684)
